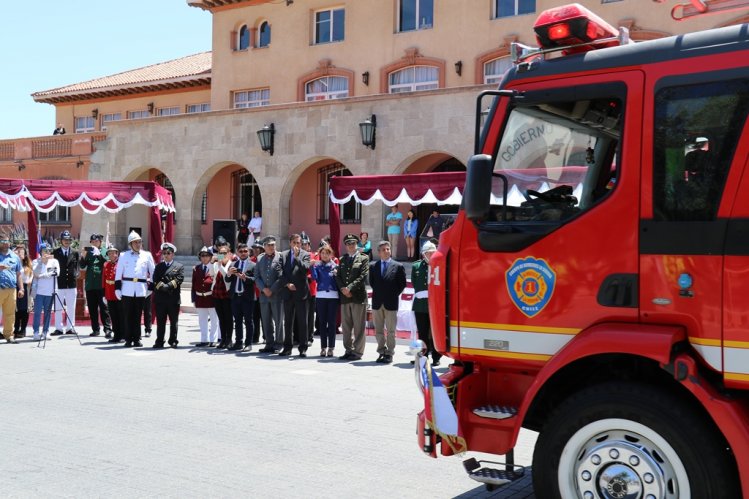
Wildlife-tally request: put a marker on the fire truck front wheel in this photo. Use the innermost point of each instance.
(627, 440)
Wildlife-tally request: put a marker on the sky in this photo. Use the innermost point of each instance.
(51, 43)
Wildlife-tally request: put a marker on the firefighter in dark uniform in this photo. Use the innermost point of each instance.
(420, 305)
(167, 281)
(66, 284)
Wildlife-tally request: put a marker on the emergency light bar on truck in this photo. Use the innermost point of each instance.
(570, 29)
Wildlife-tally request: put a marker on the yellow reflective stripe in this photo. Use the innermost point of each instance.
(708, 342)
(736, 344)
(736, 376)
(504, 355)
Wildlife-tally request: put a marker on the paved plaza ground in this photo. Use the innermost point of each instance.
(99, 420)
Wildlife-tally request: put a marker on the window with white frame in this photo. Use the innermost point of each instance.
(59, 215)
(413, 79)
(167, 111)
(415, 14)
(509, 8)
(138, 115)
(252, 98)
(328, 87)
(198, 108)
(263, 35)
(243, 41)
(330, 25)
(494, 69)
(84, 124)
(108, 118)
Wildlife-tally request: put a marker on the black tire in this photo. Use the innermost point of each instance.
(599, 432)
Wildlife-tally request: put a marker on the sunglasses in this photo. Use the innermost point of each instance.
(242, 251)
(222, 252)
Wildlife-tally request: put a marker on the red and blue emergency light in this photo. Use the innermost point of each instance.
(575, 27)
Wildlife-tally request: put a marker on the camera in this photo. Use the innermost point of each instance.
(88, 248)
(53, 272)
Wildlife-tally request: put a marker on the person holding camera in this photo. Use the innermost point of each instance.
(167, 281)
(46, 269)
(68, 259)
(92, 261)
(241, 283)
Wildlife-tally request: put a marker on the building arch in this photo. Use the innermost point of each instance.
(262, 33)
(428, 161)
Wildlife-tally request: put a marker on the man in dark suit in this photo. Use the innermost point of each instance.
(69, 261)
(240, 279)
(295, 263)
(388, 280)
(167, 279)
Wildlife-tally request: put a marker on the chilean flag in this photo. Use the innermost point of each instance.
(439, 411)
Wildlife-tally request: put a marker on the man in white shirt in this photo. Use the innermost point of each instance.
(133, 281)
(255, 226)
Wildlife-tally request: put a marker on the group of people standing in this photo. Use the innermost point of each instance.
(291, 293)
(434, 225)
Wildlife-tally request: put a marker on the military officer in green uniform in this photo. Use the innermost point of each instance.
(351, 278)
(420, 306)
(92, 261)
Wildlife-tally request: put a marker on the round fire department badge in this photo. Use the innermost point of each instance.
(530, 283)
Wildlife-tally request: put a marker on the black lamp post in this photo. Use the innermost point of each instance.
(368, 128)
(265, 136)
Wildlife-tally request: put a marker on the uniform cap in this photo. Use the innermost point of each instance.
(204, 251)
(96, 237)
(46, 248)
(66, 235)
(112, 247)
(428, 246)
(169, 246)
(349, 238)
(134, 236)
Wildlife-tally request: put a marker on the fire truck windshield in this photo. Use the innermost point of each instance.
(558, 158)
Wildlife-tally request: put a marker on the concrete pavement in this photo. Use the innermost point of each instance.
(101, 420)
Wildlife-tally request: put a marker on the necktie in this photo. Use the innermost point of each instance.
(292, 257)
(384, 267)
(240, 284)
(205, 269)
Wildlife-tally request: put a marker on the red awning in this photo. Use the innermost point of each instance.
(414, 189)
(92, 197)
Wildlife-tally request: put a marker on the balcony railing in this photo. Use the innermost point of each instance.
(58, 146)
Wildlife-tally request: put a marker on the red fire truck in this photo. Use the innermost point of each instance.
(595, 284)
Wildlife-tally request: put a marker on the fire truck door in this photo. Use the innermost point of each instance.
(561, 253)
(692, 167)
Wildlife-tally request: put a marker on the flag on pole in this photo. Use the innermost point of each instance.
(106, 240)
(439, 411)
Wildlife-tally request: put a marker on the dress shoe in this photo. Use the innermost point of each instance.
(148, 334)
(108, 334)
(324, 353)
(11, 340)
(247, 348)
(173, 344)
(70, 332)
(20, 335)
(221, 346)
(95, 333)
(347, 356)
(436, 363)
(113, 341)
(201, 344)
(267, 350)
(211, 344)
(380, 359)
(284, 353)
(387, 359)
(137, 344)
(128, 344)
(236, 346)
(158, 345)
(303, 354)
(56, 332)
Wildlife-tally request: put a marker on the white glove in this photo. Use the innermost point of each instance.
(118, 294)
(95, 251)
(105, 301)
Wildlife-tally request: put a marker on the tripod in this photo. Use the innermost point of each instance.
(55, 300)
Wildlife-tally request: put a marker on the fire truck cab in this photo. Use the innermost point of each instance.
(595, 284)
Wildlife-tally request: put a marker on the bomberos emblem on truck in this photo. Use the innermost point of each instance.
(530, 283)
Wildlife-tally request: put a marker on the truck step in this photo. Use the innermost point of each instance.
(496, 475)
(495, 411)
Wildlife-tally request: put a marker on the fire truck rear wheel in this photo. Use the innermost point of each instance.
(622, 440)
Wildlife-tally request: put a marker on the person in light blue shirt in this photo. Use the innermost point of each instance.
(393, 224)
(410, 233)
(11, 286)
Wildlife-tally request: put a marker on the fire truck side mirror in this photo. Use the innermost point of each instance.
(477, 191)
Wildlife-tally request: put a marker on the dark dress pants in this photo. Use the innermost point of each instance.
(148, 313)
(225, 318)
(243, 308)
(256, 322)
(295, 319)
(97, 308)
(166, 308)
(132, 310)
(425, 334)
(311, 318)
(115, 313)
